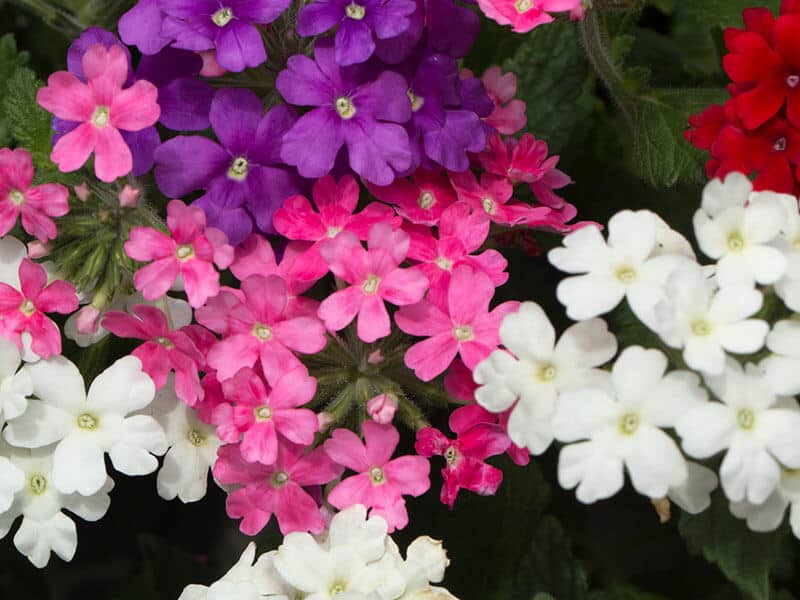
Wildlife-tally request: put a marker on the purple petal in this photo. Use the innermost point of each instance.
(223, 212)
(189, 9)
(385, 98)
(353, 42)
(239, 45)
(258, 11)
(319, 17)
(188, 163)
(312, 144)
(303, 83)
(235, 116)
(185, 104)
(377, 152)
(168, 65)
(143, 145)
(475, 98)
(462, 133)
(89, 38)
(452, 29)
(395, 50)
(266, 148)
(141, 27)
(196, 37)
(268, 188)
(391, 19)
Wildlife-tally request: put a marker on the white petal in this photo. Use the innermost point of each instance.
(744, 337)
(785, 338)
(709, 235)
(748, 474)
(596, 474)
(91, 508)
(351, 527)
(762, 517)
(767, 264)
(78, 465)
(704, 354)
(303, 564)
(184, 474)
(779, 430)
(735, 302)
(794, 518)
(528, 333)
(788, 290)
(783, 374)
(122, 388)
(632, 234)
(57, 381)
(588, 296)
(583, 251)
(9, 358)
(40, 425)
(12, 252)
(37, 540)
(763, 219)
(706, 430)
(582, 413)
(530, 423)
(636, 372)
(674, 396)
(655, 463)
(694, 495)
(495, 376)
(194, 592)
(12, 480)
(719, 195)
(586, 344)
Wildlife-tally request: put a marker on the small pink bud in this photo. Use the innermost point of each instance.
(82, 192)
(129, 197)
(211, 68)
(37, 249)
(88, 320)
(376, 357)
(382, 408)
(324, 421)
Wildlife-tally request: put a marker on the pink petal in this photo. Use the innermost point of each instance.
(124, 325)
(466, 417)
(277, 359)
(345, 448)
(395, 514)
(254, 257)
(46, 337)
(431, 357)
(347, 258)
(266, 296)
(404, 286)
(297, 220)
(16, 169)
(58, 297)
(112, 63)
(484, 440)
(155, 279)
(200, 280)
(8, 216)
(135, 108)
(315, 468)
(394, 242)
(293, 388)
(67, 97)
(328, 192)
(112, 156)
(296, 510)
(352, 490)
(373, 319)
(373, 213)
(423, 319)
(233, 353)
(146, 243)
(297, 425)
(469, 295)
(381, 442)
(73, 150)
(302, 334)
(340, 308)
(431, 441)
(185, 223)
(260, 443)
(244, 504)
(32, 277)
(474, 352)
(410, 473)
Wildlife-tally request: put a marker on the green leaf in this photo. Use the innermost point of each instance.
(553, 80)
(10, 60)
(549, 569)
(625, 592)
(723, 13)
(746, 558)
(29, 122)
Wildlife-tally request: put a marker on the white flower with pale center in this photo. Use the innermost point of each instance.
(15, 384)
(739, 228)
(623, 428)
(782, 367)
(425, 563)
(631, 264)
(12, 253)
(706, 321)
(85, 427)
(248, 579)
(537, 369)
(45, 528)
(788, 286)
(694, 494)
(757, 429)
(768, 515)
(193, 447)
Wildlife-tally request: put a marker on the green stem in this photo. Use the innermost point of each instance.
(54, 16)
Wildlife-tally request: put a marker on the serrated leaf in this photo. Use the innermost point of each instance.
(29, 123)
(722, 13)
(549, 570)
(551, 74)
(10, 60)
(746, 558)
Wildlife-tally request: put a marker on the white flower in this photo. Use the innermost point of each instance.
(737, 227)
(630, 265)
(425, 563)
(788, 287)
(12, 253)
(768, 515)
(782, 368)
(12, 480)
(44, 527)
(694, 494)
(193, 447)
(15, 385)
(706, 321)
(758, 429)
(538, 370)
(623, 429)
(87, 426)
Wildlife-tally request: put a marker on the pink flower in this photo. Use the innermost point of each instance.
(381, 482)
(25, 311)
(374, 277)
(261, 417)
(335, 203)
(459, 323)
(103, 108)
(188, 253)
(524, 15)
(478, 437)
(276, 489)
(458, 382)
(35, 204)
(382, 408)
(421, 199)
(491, 196)
(508, 116)
(461, 231)
(255, 325)
(164, 351)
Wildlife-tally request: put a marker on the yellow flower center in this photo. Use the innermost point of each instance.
(426, 200)
(37, 484)
(333, 232)
(451, 455)
(626, 275)
(262, 413)
(184, 252)
(463, 333)
(345, 108)
(87, 422)
(262, 332)
(337, 587)
(547, 372)
(370, 285)
(16, 197)
(222, 17)
(279, 479)
(488, 205)
(746, 419)
(238, 169)
(417, 102)
(165, 342)
(629, 423)
(523, 6)
(376, 476)
(101, 116)
(735, 242)
(701, 328)
(355, 11)
(445, 264)
(27, 308)
(195, 438)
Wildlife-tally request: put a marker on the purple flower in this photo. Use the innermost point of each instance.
(361, 115)
(141, 27)
(229, 27)
(358, 20)
(243, 177)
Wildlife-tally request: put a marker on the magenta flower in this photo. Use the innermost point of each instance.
(35, 204)
(263, 419)
(164, 351)
(103, 109)
(255, 326)
(478, 437)
(381, 481)
(492, 196)
(189, 253)
(25, 311)
(524, 15)
(276, 489)
(508, 116)
(335, 203)
(421, 199)
(456, 324)
(461, 232)
(374, 277)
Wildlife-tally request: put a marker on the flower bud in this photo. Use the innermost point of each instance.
(382, 408)
(88, 320)
(211, 68)
(324, 421)
(82, 192)
(37, 249)
(129, 197)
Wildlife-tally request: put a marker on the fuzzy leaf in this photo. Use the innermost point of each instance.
(722, 13)
(29, 123)
(10, 60)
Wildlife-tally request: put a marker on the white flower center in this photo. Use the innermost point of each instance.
(417, 102)
(463, 333)
(238, 169)
(626, 275)
(16, 197)
(488, 205)
(701, 328)
(445, 264)
(101, 116)
(779, 145)
(426, 200)
(547, 372)
(746, 419)
(451, 455)
(337, 587)
(279, 479)
(523, 6)
(792, 80)
(333, 232)
(345, 108)
(355, 11)
(262, 413)
(222, 17)
(165, 342)
(27, 308)
(87, 422)
(376, 476)
(735, 242)
(195, 438)
(370, 285)
(796, 243)
(37, 484)
(262, 332)
(184, 252)
(629, 423)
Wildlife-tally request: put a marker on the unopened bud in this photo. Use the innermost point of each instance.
(129, 197)
(88, 320)
(37, 249)
(82, 192)
(324, 421)
(211, 68)
(662, 507)
(382, 408)
(376, 357)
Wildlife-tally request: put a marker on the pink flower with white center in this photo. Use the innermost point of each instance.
(335, 203)
(190, 253)
(35, 204)
(264, 419)
(374, 276)
(508, 116)
(255, 325)
(492, 197)
(420, 199)
(25, 311)
(276, 489)
(525, 15)
(478, 437)
(164, 350)
(381, 481)
(102, 108)
(456, 324)
(462, 231)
